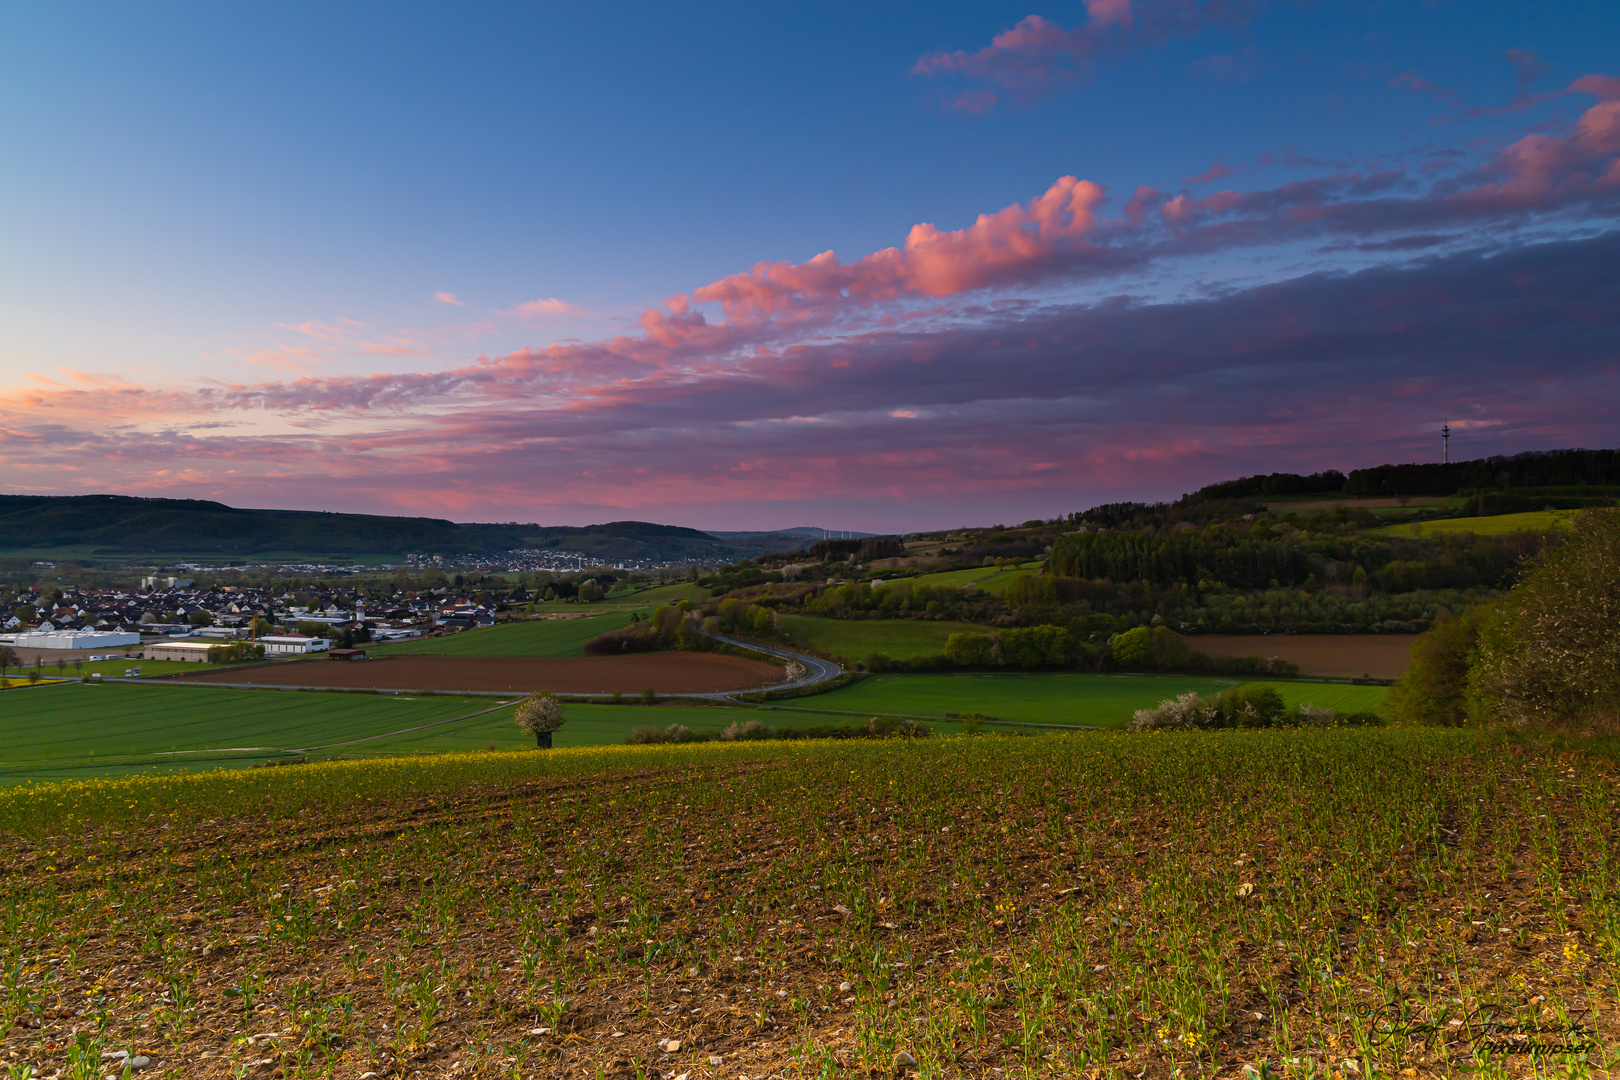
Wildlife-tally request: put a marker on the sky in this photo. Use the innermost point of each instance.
(746, 266)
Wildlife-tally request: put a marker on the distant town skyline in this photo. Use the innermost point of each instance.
(883, 268)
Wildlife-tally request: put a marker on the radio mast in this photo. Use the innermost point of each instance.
(1445, 442)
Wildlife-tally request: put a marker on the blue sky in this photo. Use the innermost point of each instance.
(245, 199)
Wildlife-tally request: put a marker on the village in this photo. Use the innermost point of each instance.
(178, 618)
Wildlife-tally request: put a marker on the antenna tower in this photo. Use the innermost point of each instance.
(1445, 442)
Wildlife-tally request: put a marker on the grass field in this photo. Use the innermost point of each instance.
(563, 637)
(85, 730)
(992, 579)
(1535, 521)
(955, 579)
(852, 639)
(1060, 697)
(1326, 904)
(997, 584)
(638, 600)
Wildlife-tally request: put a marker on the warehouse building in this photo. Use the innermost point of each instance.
(193, 651)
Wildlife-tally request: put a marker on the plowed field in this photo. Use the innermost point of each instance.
(1383, 656)
(666, 673)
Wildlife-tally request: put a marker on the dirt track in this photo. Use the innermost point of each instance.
(1383, 656)
(666, 673)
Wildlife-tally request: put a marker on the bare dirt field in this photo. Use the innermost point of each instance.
(1383, 656)
(666, 673)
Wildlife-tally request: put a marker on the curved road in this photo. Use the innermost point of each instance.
(816, 669)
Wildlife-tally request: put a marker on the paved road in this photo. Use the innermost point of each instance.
(816, 670)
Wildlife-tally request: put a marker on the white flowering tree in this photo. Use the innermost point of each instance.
(540, 715)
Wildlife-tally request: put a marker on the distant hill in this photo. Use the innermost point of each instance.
(797, 532)
(620, 540)
(126, 525)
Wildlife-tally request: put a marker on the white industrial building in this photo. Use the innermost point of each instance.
(293, 644)
(193, 651)
(71, 639)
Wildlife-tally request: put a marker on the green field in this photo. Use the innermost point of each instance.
(76, 730)
(1535, 521)
(992, 579)
(629, 600)
(1060, 697)
(852, 639)
(997, 584)
(81, 730)
(955, 579)
(565, 637)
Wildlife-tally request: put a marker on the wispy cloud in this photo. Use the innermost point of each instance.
(545, 307)
(1038, 56)
(449, 298)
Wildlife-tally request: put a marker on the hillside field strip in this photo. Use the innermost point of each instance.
(991, 579)
(853, 639)
(1085, 699)
(81, 730)
(628, 600)
(537, 637)
(1498, 525)
(1345, 903)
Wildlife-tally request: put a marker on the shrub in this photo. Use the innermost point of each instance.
(1250, 706)
(1315, 716)
(746, 732)
(969, 650)
(674, 733)
(1024, 647)
(1153, 648)
(629, 639)
(1550, 651)
(1434, 690)
(1178, 713)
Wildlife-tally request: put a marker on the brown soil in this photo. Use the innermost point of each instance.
(1383, 656)
(666, 673)
(362, 877)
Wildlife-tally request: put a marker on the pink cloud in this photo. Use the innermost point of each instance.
(1037, 56)
(1220, 170)
(544, 308)
(1017, 243)
(1606, 87)
(448, 298)
(973, 102)
(1107, 12)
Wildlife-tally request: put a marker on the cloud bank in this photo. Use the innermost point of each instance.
(1035, 360)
